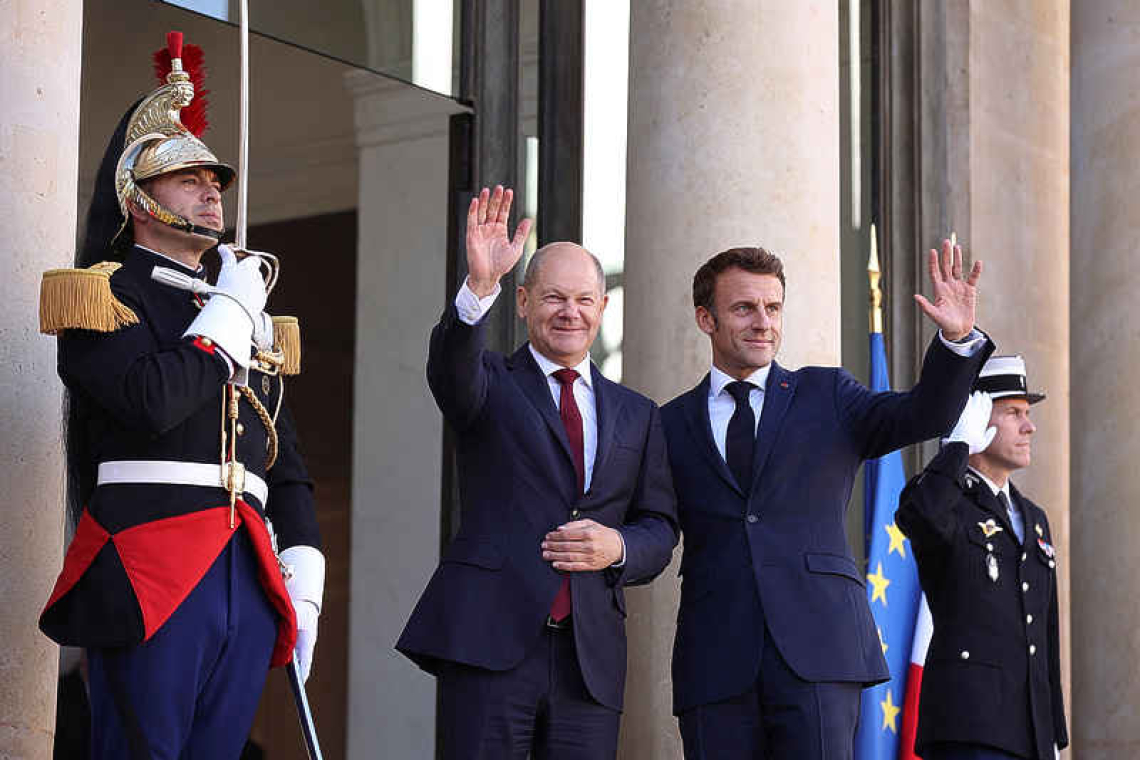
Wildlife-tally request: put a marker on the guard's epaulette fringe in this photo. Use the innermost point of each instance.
(287, 339)
(81, 299)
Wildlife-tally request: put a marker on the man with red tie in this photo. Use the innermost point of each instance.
(566, 498)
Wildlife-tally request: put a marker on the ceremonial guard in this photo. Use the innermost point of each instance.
(991, 687)
(179, 449)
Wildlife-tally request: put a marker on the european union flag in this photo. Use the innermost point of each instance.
(892, 589)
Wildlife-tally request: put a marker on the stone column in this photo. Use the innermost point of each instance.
(1106, 361)
(40, 45)
(401, 136)
(734, 140)
(1019, 228)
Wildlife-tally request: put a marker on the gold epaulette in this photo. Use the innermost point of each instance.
(287, 340)
(81, 299)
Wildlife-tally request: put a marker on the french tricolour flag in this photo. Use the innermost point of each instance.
(923, 627)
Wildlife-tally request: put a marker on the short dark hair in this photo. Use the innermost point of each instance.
(755, 260)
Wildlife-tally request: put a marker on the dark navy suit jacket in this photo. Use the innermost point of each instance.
(488, 600)
(777, 553)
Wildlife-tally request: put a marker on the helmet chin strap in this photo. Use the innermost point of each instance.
(163, 215)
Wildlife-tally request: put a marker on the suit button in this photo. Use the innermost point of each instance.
(1032, 649)
(1025, 586)
(752, 518)
(1028, 619)
(574, 513)
(965, 655)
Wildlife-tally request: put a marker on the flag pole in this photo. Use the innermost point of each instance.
(874, 273)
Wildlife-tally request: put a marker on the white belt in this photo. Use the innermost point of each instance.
(176, 473)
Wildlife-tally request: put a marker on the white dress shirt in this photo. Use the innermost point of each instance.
(722, 405)
(471, 309)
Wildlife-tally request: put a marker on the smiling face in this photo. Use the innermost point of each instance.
(1010, 449)
(745, 322)
(563, 304)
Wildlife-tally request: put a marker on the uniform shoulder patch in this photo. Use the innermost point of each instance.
(81, 299)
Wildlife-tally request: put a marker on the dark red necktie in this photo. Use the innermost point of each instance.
(572, 421)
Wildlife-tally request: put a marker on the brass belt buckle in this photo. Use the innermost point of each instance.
(235, 478)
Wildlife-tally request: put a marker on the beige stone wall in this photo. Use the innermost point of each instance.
(733, 140)
(1105, 361)
(39, 133)
(1019, 220)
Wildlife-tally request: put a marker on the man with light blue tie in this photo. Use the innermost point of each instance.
(991, 686)
(775, 639)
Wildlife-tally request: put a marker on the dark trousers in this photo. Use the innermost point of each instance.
(782, 717)
(191, 691)
(956, 751)
(540, 709)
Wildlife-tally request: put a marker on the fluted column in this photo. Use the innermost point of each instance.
(1105, 365)
(40, 45)
(1019, 227)
(733, 140)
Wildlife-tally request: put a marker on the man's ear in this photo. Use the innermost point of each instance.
(521, 302)
(706, 320)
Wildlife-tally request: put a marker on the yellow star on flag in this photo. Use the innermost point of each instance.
(897, 539)
(882, 643)
(890, 713)
(880, 582)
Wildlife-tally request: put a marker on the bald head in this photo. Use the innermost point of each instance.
(559, 250)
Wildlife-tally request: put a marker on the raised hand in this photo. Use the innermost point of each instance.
(490, 253)
(955, 299)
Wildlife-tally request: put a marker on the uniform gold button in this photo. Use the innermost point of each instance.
(1032, 649)
(965, 655)
(240, 429)
(1028, 619)
(1052, 564)
(574, 513)
(1025, 586)
(206, 342)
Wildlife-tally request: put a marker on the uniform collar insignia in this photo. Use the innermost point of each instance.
(971, 480)
(1040, 532)
(990, 527)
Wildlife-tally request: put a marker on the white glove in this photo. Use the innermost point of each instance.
(263, 332)
(306, 586)
(973, 427)
(229, 317)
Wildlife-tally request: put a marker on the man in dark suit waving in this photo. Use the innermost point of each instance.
(566, 498)
(775, 639)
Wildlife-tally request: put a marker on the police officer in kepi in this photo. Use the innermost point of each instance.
(179, 448)
(991, 687)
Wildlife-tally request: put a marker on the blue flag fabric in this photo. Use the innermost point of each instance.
(892, 589)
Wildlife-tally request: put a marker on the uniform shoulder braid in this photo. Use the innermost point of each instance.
(287, 339)
(81, 299)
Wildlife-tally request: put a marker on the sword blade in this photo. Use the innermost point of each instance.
(304, 714)
(242, 223)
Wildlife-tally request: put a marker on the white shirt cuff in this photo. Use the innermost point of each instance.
(620, 562)
(471, 307)
(968, 346)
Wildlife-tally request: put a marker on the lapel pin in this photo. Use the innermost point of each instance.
(783, 383)
(989, 527)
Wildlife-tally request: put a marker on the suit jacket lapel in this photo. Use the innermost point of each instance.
(777, 397)
(696, 406)
(607, 405)
(537, 390)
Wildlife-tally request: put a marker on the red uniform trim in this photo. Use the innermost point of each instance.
(89, 539)
(205, 345)
(165, 559)
(269, 573)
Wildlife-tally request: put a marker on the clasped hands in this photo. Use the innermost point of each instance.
(582, 546)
